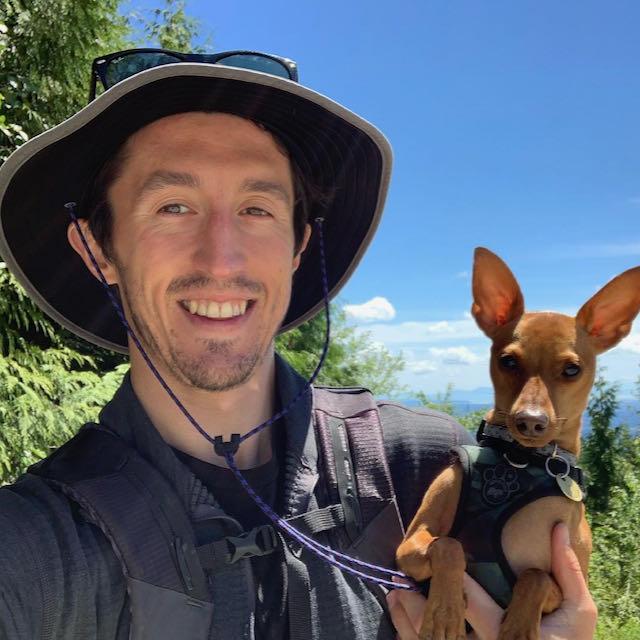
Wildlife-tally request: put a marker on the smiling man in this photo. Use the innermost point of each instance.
(202, 249)
(197, 180)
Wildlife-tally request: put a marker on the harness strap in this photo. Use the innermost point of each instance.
(302, 606)
(149, 531)
(319, 520)
(357, 473)
(346, 482)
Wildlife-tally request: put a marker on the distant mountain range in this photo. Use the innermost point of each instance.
(467, 401)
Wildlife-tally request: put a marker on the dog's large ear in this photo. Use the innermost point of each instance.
(497, 298)
(608, 315)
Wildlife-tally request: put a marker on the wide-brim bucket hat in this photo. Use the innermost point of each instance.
(341, 154)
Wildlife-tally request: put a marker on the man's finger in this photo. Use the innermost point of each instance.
(566, 568)
(482, 613)
(401, 621)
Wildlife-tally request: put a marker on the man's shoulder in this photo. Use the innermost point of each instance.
(33, 515)
(52, 564)
(45, 528)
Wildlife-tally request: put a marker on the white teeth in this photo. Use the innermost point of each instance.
(211, 309)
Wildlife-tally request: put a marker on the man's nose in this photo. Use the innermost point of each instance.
(219, 245)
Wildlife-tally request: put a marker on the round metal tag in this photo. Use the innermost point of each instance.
(570, 488)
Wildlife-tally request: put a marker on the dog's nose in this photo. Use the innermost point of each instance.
(531, 424)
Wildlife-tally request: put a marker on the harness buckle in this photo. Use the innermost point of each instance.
(260, 541)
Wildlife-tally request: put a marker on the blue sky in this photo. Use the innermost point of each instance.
(515, 125)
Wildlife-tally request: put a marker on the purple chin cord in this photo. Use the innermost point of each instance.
(229, 449)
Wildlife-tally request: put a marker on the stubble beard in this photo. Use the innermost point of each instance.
(218, 368)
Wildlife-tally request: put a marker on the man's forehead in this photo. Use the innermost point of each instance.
(182, 148)
(208, 128)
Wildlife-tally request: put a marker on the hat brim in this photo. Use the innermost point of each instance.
(342, 154)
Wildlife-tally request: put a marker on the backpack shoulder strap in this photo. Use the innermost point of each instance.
(148, 527)
(356, 474)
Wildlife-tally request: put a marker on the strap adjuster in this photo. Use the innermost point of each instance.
(260, 541)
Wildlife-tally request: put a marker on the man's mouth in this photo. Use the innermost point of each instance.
(221, 310)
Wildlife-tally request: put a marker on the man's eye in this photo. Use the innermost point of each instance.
(174, 208)
(256, 211)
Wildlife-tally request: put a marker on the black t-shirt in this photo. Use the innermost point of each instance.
(269, 571)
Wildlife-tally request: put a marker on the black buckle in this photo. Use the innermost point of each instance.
(260, 541)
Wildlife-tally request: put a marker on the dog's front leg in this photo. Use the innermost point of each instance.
(534, 593)
(426, 553)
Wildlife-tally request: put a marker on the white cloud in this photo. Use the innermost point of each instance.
(631, 343)
(455, 355)
(609, 250)
(415, 333)
(463, 275)
(467, 314)
(420, 367)
(377, 308)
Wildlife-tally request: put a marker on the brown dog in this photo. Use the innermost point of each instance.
(504, 498)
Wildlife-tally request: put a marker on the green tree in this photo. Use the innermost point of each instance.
(604, 446)
(45, 58)
(442, 401)
(352, 359)
(47, 389)
(611, 457)
(171, 27)
(615, 571)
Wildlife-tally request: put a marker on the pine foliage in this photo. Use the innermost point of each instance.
(352, 359)
(47, 390)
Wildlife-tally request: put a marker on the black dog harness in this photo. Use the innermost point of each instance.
(500, 478)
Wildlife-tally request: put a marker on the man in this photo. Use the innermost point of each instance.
(197, 186)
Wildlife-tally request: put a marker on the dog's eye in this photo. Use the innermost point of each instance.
(571, 370)
(508, 362)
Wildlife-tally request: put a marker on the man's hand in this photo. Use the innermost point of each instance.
(574, 620)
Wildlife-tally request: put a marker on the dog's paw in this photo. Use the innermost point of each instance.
(443, 617)
(518, 630)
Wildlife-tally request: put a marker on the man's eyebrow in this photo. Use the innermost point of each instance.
(161, 179)
(267, 186)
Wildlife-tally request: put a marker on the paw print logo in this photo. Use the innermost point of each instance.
(499, 483)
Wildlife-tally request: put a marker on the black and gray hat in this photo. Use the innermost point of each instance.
(340, 152)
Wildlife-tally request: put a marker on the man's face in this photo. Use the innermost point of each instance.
(203, 245)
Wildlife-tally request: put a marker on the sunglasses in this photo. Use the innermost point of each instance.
(113, 68)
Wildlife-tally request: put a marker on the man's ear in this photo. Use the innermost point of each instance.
(302, 247)
(106, 266)
(608, 315)
(497, 299)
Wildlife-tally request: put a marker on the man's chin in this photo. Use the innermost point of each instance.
(217, 374)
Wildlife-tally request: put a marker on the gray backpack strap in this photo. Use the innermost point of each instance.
(147, 526)
(356, 475)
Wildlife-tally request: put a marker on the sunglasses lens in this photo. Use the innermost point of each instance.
(256, 63)
(132, 63)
